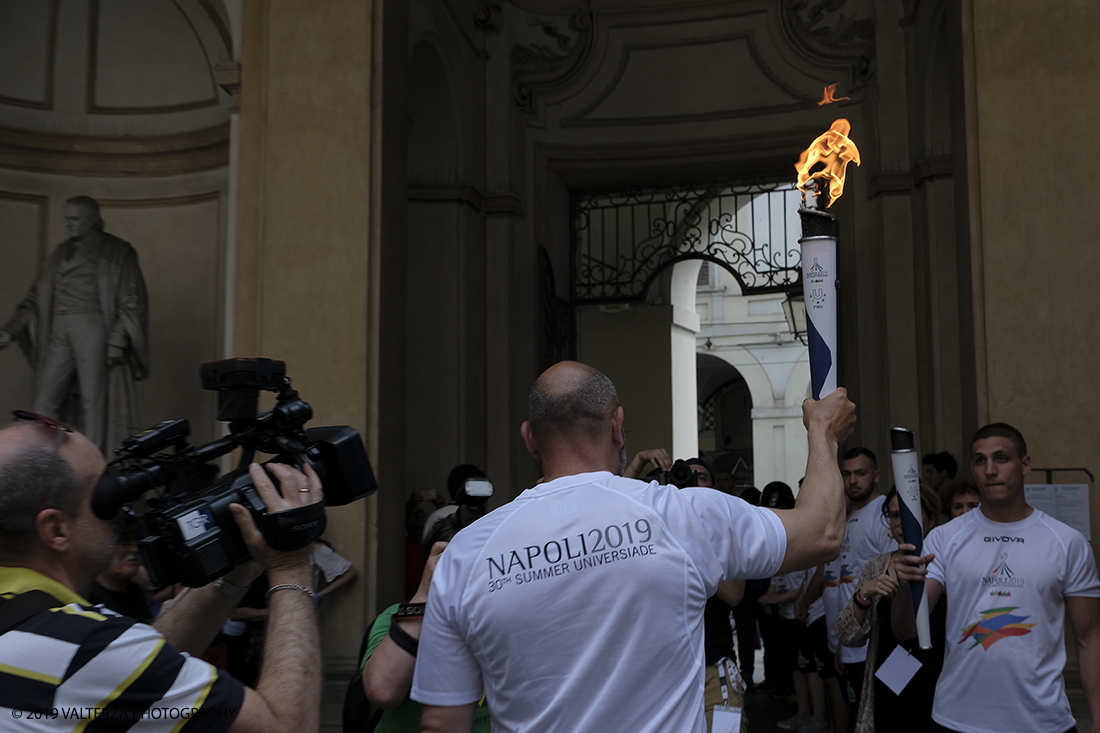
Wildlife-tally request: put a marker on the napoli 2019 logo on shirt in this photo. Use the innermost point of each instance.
(831, 581)
(1002, 576)
(996, 624)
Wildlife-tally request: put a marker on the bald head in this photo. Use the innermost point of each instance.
(571, 398)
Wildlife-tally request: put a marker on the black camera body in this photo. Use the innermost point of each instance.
(189, 535)
(470, 500)
(681, 475)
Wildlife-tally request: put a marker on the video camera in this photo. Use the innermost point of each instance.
(188, 534)
(681, 475)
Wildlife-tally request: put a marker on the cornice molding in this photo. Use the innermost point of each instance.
(463, 193)
(905, 182)
(160, 155)
(160, 203)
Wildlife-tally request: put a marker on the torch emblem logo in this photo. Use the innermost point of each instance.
(1002, 576)
(816, 270)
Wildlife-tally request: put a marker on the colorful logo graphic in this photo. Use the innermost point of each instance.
(911, 474)
(816, 270)
(831, 581)
(1003, 576)
(996, 624)
(1000, 594)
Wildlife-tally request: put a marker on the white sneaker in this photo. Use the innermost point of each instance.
(815, 726)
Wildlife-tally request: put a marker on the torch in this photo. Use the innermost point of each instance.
(832, 151)
(903, 458)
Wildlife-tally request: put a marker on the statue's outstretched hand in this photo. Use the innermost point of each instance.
(5, 339)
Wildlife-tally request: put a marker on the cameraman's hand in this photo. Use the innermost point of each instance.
(429, 568)
(299, 489)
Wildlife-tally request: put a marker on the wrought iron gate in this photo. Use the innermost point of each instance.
(622, 241)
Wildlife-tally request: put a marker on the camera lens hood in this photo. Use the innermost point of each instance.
(294, 528)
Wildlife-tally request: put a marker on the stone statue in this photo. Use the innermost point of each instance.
(84, 328)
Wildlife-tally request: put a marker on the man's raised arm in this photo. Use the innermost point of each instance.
(815, 527)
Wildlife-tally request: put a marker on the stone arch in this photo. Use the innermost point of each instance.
(726, 446)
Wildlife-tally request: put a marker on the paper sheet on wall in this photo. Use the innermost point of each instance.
(1068, 503)
(898, 669)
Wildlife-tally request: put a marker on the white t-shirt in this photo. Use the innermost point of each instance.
(1005, 585)
(866, 535)
(579, 605)
(326, 562)
(787, 582)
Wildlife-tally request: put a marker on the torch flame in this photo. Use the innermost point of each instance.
(834, 151)
(829, 98)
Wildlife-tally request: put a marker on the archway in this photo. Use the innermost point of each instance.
(725, 419)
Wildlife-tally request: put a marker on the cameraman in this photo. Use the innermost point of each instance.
(86, 664)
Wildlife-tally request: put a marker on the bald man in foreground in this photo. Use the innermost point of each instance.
(579, 605)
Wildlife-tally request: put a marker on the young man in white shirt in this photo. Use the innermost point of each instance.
(1012, 573)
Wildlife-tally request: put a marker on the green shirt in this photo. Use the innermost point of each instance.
(405, 718)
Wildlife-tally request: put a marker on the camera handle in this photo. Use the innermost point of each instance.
(293, 529)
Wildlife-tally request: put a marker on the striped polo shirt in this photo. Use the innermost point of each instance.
(79, 667)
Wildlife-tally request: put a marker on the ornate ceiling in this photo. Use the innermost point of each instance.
(87, 81)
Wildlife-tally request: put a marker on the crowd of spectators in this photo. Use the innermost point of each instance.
(593, 601)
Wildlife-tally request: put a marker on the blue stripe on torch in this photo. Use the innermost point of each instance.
(821, 359)
(912, 532)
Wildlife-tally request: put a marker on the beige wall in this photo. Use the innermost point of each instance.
(307, 277)
(1033, 98)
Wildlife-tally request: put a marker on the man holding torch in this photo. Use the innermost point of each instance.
(1013, 574)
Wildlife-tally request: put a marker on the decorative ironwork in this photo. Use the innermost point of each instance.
(622, 241)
